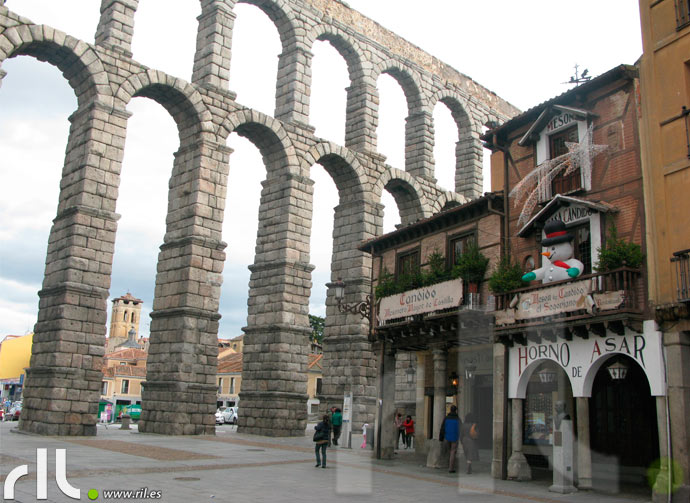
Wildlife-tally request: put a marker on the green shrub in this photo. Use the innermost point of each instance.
(437, 272)
(471, 265)
(506, 277)
(618, 253)
(386, 285)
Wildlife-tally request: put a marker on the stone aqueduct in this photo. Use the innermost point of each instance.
(63, 385)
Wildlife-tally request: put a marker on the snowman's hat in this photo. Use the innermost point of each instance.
(555, 233)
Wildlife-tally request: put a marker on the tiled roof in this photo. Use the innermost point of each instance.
(127, 354)
(230, 363)
(129, 297)
(124, 370)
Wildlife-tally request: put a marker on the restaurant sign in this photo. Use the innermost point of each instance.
(559, 299)
(422, 300)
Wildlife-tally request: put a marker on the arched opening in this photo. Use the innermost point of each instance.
(328, 95)
(254, 66)
(163, 41)
(392, 117)
(624, 436)
(36, 102)
(142, 203)
(547, 386)
(391, 213)
(246, 173)
(445, 139)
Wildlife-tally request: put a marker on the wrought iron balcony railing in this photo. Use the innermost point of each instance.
(681, 262)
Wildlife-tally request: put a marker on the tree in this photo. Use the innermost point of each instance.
(317, 323)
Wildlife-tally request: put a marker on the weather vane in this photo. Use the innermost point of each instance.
(578, 79)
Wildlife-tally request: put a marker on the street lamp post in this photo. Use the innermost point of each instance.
(362, 308)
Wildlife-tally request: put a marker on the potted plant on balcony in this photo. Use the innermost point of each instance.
(617, 253)
(471, 267)
(437, 271)
(506, 277)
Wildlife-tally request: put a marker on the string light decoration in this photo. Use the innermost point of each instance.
(579, 156)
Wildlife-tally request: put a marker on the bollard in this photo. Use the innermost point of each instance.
(126, 420)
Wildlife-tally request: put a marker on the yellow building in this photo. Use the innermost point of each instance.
(15, 355)
(665, 147)
(123, 373)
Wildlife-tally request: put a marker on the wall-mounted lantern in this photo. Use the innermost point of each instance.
(546, 375)
(618, 370)
(453, 382)
(470, 368)
(362, 308)
(409, 374)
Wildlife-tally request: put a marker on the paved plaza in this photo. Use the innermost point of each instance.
(247, 468)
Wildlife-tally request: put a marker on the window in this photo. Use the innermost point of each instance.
(408, 263)
(582, 246)
(562, 183)
(132, 317)
(318, 385)
(232, 385)
(458, 245)
(125, 387)
(220, 385)
(682, 13)
(104, 388)
(123, 364)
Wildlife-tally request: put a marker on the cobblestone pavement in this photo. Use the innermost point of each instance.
(247, 468)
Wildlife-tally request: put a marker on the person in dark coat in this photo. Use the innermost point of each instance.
(337, 422)
(469, 433)
(322, 437)
(450, 432)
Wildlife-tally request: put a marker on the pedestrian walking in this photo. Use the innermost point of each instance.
(337, 423)
(398, 422)
(322, 437)
(470, 433)
(408, 424)
(450, 432)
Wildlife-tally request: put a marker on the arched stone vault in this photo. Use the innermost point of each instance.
(65, 373)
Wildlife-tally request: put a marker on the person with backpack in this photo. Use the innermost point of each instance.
(450, 432)
(470, 433)
(322, 437)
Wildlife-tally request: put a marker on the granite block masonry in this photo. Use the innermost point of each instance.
(179, 396)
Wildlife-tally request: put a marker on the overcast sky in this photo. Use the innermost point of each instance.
(523, 51)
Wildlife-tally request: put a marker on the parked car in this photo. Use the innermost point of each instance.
(230, 415)
(219, 417)
(14, 412)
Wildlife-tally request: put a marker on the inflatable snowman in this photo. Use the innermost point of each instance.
(557, 262)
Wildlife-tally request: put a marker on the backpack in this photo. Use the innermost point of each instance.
(321, 434)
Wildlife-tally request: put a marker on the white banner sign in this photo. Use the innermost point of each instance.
(422, 300)
(554, 300)
(581, 359)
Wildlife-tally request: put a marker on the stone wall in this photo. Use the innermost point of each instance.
(63, 385)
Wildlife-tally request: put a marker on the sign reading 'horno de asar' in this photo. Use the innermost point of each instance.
(422, 300)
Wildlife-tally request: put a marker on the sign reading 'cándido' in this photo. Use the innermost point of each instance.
(422, 300)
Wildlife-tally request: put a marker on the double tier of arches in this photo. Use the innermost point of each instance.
(69, 340)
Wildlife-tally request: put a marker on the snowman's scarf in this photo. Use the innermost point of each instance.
(560, 263)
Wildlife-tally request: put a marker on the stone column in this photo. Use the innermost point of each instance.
(660, 488)
(62, 389)
(584, 453)
(182, 361)
(420, 440)
(440, 361)
(349, 361)
(468, 167)
(361, 116)
(293, 88)
(677, 345)
(116, 25)
(276, 344)
(518, 468)
(501, 414)
(389, 434)
(213, 46)
(419, 145)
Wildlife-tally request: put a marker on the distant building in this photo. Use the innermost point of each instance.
(125, 317)
(123, 372)
(15, 355)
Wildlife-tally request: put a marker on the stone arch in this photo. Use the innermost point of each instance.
(468, 148)
(343, 167)
(77, 60)
(181, 100)
(448, 200)
(269, 136)
(348, 47)
(407, 192)
(282, 16)
(408, 80)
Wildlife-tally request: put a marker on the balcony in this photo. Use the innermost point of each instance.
(681, 263)
(595, 303)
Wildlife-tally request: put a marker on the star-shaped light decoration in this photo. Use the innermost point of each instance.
(579, 156)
